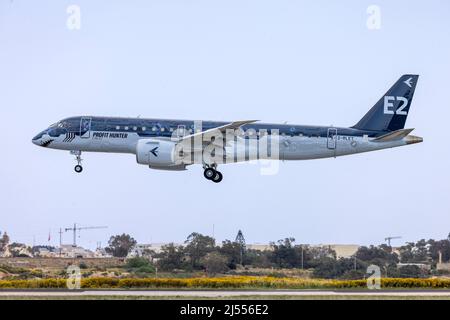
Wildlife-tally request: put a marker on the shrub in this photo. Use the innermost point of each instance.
(140, 265)
(226, 283)
(145, 269)
(137, 262)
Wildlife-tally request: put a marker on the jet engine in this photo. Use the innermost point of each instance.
(157, 154)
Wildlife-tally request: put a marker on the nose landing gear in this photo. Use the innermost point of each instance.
(212, 174)
(78, 168)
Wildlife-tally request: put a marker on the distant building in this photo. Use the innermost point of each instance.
(69, 251)
(141, 250)
(101, 253)
(46, 253)
(259, 246)
(16, 250)
(343, 250)
(441, 266)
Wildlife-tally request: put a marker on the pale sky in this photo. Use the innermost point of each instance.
(305, 62)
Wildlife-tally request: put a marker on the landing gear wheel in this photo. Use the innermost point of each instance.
(218, 177)
(77, 154)
(209, 173)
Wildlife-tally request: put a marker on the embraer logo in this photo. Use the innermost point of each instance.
(154, 151)
(408, 82)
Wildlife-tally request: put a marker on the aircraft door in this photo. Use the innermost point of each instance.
(181, 131)
(332, 138)
(85, 128)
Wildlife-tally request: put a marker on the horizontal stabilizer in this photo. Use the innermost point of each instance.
(395, 135)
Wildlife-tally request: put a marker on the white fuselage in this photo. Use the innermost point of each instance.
(290, 148)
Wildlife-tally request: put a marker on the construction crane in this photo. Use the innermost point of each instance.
(388, 239)
(75, 229)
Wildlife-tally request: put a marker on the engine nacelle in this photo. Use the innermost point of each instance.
(155, 153)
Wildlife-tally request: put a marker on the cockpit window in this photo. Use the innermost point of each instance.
(56, 132)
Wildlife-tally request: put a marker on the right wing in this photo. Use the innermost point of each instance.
(222, 129)
(214, 131)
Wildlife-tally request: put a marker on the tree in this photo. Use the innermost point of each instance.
(232, 252)
(258, 258)
(120, 245)
(410, 271)
(442, 246)
(198, 246)
(330, 268)
(171, 257)
(313, 256)
(380, 256)
(406, 254)
(284, 254)
(214, 263)
(149, 254)
(415, 252)
(327, 268)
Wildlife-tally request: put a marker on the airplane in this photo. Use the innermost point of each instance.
(167, 144)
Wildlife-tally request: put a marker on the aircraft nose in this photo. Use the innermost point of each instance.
(37, 139)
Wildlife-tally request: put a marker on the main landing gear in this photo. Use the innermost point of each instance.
(78, 168)
(212, 174)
